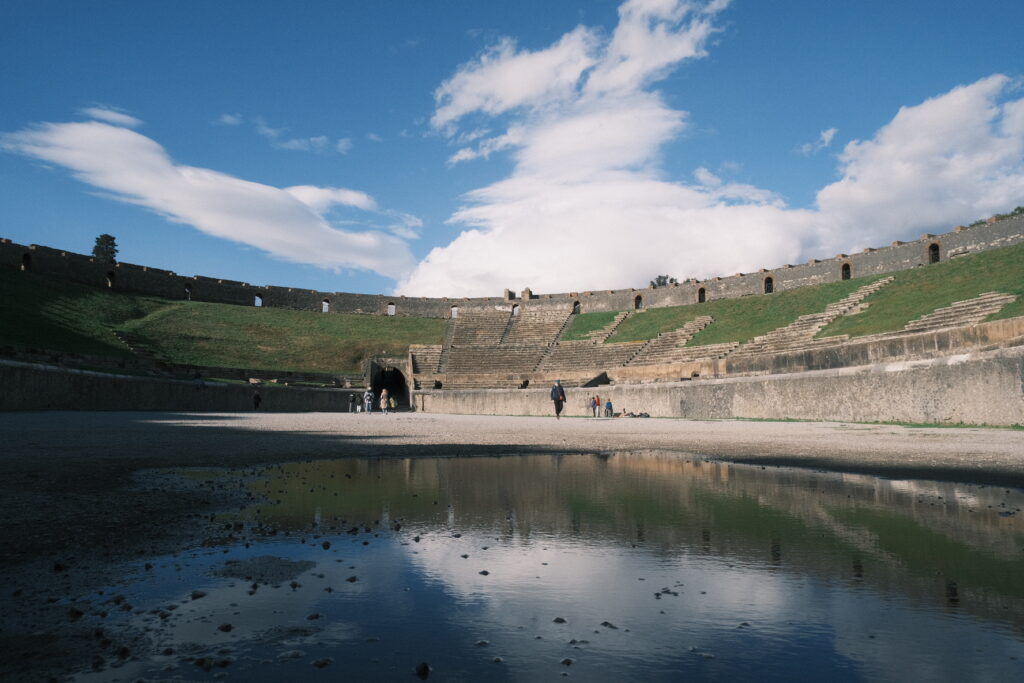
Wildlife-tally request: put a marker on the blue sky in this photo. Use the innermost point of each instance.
(458, 148)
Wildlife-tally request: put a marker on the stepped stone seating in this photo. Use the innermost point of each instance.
(425, 359)
(484, 328)
(957, 314)
(691, 354)
(536, 327)
(583, 354)
(667, 347)
(502, 359)
(799, 335)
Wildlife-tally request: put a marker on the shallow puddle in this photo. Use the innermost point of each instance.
(629, 567)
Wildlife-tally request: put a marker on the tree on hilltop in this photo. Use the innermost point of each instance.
(662, 280)
(105, 250)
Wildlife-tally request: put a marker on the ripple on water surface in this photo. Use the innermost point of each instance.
(606, 568)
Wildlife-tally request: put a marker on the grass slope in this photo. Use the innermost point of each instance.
(920, 291)
(49, 314)
(585, 323)
(737, 319)
(267, 338)
(52, 315)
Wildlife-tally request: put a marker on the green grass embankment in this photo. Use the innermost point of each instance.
(917, 292)
(197, 333)
(48, 314)
(585, 323)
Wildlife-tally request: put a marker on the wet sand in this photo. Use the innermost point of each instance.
(76, 499)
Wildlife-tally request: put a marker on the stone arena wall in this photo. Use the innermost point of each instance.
(153, 281)
(28, 386)
(977, 388)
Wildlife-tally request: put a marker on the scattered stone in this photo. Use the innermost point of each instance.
(314, 616)
(483, 643)
(326, 545)
(423, 670)
(196, 594)
(608, 624)
(559, 620)
(498, 660)
(74, 614)
(484, 572)
(322, 662)
(568, 661)
(464, 556)
(352, 579)
(292, 654)
(225, 627)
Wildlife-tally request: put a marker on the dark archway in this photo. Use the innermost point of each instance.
(933, 253)
(110, 280)
(392, 379)
(257, 300)
(455, 311)
(638, 302)
(26, 261)
(702, 295)
(188, 292)
(769, 285)
(844, 272)
(392, 309)
(325, 306)
(575, 307)
(515, 310)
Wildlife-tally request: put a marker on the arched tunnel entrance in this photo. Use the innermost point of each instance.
(390, 378)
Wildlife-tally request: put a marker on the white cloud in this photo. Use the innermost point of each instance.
(373, 137)
(286, 223)
(230, 119)
(343, 145)
(587, 205)
(110, 115)
(316, 143)
(824, 140)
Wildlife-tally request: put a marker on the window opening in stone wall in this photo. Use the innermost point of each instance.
(325, 306)
(515, 309)
(575, 307)
(26, 261)
(391, 308)
(455, 311)
(702, 295)
(110, 280)
(769, 285)
(844, 272)
(257, 301)
(188, 292)
(638, 302)
(933, 253)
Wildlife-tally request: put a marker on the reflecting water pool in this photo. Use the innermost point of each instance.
(636, 566)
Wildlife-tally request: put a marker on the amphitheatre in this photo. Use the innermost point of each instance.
(926, 331)
(137, 483)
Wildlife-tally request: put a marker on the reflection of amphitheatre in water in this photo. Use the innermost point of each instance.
(940, 543)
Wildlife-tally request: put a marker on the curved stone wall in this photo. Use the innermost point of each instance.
(164, 283)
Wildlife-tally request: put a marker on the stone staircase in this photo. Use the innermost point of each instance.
(425, 358)
(602, 335)
(799, 335)
(539, 328)
(667, 347)
(584, 354)
(957, 314)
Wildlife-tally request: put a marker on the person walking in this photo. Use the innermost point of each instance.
(593, 406)
(608, 412)
(351, 403)
(558, 397)
(256, 400)
(368, 400)
(597, 403)
(384, 403)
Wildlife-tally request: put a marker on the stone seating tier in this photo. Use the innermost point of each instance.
(667, 347)
(582, 354)
(535, 327)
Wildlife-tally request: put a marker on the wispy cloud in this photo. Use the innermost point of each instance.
(823, 141)
(288, 223)
(230, 119)
(111, 115)
(587, 204)
(315, 143)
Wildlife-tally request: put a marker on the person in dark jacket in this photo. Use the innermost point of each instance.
(558, 397)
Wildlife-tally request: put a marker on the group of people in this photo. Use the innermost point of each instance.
(596, 409)
(386, 403)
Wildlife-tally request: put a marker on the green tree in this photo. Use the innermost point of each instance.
(105, 250)
(662, 280)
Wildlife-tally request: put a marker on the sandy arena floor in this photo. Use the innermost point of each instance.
(72, 500)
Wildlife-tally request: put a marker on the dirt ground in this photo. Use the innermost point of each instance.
(74, 498)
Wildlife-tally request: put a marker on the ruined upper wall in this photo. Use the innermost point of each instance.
(128, 277)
